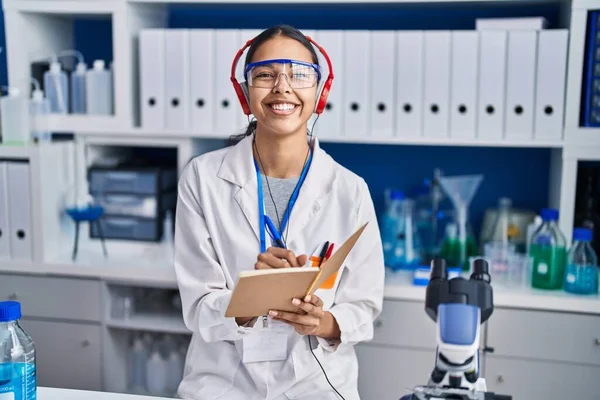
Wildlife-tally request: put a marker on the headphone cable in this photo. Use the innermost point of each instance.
(323, 369)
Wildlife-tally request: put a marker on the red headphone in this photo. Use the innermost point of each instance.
(241, 89)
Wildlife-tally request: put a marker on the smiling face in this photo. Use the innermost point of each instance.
(281, 110)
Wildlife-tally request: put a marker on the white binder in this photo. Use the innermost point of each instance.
(152, 78)
(330, 122)
(465, 61)
(551, 80)
(436, 90)
(202, 68)
(19, 204)
(228, 112)
(409, 83)
(492, 81)
(383, 83)
(177, 79)
(357, 64)
(4, 213)
(520, 84)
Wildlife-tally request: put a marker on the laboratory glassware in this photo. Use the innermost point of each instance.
(581, 276)
(77, 82)
(14, 112)
(55, 84)
(39, 107)
(18, 356)
(461, 190)
(99, 90)
(548, 250)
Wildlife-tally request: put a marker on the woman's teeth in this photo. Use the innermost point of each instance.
(283, 106)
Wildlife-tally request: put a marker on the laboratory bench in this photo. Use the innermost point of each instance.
(47, 393)
(536, 345)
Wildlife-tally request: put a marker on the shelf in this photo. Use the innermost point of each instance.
(404, 140)
(64, 7)
(583, 137)
(446, 141)
(81, 123)
(340, 1)
(15, 152)
(585, 5)
(163, 323)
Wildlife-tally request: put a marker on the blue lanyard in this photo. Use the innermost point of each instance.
(264, 221)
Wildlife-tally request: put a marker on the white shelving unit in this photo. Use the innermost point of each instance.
(32, 25)
(48, 25)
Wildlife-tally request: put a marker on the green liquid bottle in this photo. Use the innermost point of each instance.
(549, 254)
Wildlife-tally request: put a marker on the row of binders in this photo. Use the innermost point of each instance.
(489, 85)
(16, 239)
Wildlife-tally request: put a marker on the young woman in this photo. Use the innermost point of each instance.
(271, 201)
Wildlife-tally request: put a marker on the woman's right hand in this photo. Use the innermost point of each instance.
(276, 257)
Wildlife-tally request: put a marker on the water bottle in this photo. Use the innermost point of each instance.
(17, 365)
(581, 276)
(78, 96)
(548, 251)
(55, 83)
(14, 116)
(99, 90)
(39, 106)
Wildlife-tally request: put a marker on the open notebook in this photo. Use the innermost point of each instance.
(258, 291)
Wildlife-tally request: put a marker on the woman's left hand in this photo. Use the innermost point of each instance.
(311, 319)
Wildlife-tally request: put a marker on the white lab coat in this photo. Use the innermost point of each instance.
(217, 236)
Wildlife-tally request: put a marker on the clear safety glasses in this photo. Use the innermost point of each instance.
(266, 74)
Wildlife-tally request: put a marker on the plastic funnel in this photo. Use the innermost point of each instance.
(461, 189)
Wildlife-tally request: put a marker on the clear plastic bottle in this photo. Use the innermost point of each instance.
(581, 276)
(17, 362)
(99, 90)
(55, 84)
(78, 96)
(14, 117)
(39, 106)
(548, 250)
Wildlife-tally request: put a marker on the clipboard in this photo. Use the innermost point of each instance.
(258, 291)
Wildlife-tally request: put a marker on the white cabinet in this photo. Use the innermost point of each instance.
(68, 354)
(387, 373)
(536, 354)
(533, 380)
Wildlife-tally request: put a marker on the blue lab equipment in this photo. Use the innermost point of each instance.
(581, 276)
(459, 307)
(91, 214)
(17, 363)
(389, 226)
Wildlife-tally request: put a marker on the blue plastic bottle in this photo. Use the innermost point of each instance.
(17, 363)
(581, 276)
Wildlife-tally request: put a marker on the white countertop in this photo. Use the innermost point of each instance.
(151, 266)
(44, 393)
(399, 287)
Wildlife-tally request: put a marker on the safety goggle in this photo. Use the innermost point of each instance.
(266, 73)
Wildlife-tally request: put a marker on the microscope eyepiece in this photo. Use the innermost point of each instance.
(438, 269)
(481, 270)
